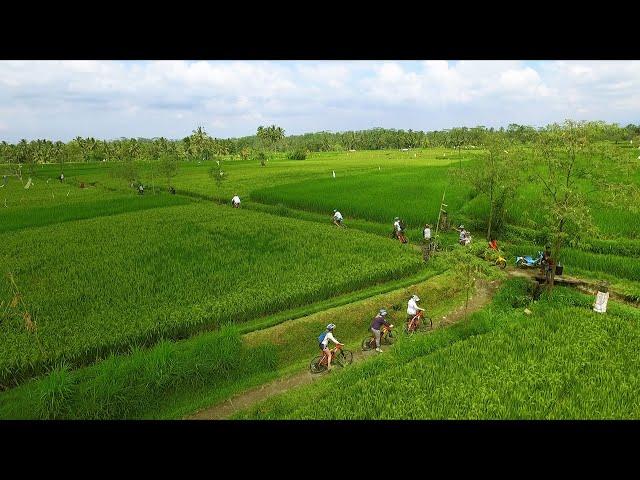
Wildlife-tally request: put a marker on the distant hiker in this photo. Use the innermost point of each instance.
(465, 236)
(427, 242)
(376, 325)
(412, 307)
(61, 177)
(235, 201)
(548, 265)
(323, 342)
(426, 233)
(141, 189)
(337, 218)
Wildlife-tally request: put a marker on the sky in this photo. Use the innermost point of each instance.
(59, 100)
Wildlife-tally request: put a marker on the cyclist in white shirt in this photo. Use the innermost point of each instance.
(413, 308)
(337, 218)
(324, 343)
(235, 201)
(397, 226)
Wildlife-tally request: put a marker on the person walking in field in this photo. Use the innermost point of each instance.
(426, 233)
(337, 218)
(465, 236)
(376, 325)
(413, 308)
(61, 177)
(323, 342)
(141, 189)
(235, 201)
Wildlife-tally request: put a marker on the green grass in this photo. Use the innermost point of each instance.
(413, 195)
(96, 286)
(103, 271)
(563, 361)
(128, 386)
(172, 379)
(576, 260)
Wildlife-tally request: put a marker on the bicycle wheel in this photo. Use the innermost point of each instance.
(366, 343)
(316, 366)
(345, 358)
(501, 263)
(426, 324)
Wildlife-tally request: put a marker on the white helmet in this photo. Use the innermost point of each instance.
(461, 226)
(382, 312)
(415, 298)
(331, 326)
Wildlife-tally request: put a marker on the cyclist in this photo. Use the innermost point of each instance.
(323, 341)
(413, 308)
(377, 323)
(337, 218)
(398, 229)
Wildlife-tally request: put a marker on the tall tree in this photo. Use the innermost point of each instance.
(492, 175)
(270, 136)
(566, 159)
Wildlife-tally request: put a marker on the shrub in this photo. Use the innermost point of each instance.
(297, 155)
(54, 393)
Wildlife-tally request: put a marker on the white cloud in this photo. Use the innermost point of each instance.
(62, 99)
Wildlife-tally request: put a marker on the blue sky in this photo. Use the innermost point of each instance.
(59, 100)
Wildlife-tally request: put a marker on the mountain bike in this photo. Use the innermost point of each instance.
(339, 356)
(386, 338)
(418, 323)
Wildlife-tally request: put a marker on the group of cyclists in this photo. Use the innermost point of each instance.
(399, 230)
(379, 321)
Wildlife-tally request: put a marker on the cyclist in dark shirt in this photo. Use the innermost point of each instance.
(376, 325)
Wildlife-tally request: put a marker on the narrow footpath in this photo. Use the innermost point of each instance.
(482, 296)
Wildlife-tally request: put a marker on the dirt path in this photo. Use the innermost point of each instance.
(240, 401)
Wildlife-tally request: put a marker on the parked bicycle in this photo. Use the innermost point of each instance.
(339, 356)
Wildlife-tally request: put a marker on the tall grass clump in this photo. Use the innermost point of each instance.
(54, 393)
(131, 386)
